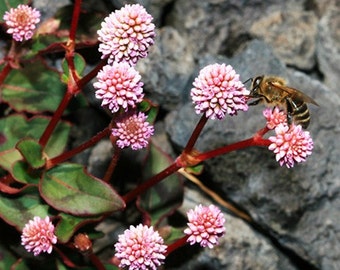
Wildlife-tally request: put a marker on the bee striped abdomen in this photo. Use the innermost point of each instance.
(301, 115)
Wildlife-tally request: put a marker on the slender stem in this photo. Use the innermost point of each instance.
(232, 147)
(4, 72)
(179, 243)
(195, 134)
(55, 119)
(67, 155)
(112, 164)
(96, 262)
(151, 182)
(75, 19)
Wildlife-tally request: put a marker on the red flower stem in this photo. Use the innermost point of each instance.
(96, 262)
(179, 243)
(112, 164)
(194, 136)
(254, 141)
(4, 72)
(55, 119)
(75, 20)
(151, 182)
(67, 155)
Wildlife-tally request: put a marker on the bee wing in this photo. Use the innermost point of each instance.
(295, 93)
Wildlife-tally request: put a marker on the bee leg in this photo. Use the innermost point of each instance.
(255, 102)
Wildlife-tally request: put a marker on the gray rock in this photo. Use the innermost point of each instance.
(296, 206)
(328, 47)
(167, 69)
(291, 34)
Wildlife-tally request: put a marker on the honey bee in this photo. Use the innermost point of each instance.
(273, 91)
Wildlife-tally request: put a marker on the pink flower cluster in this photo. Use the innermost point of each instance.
(291, 144)
(274, 117)
(126, 34)
(140, 248)
(133, 130)
(38, 236)
(119, 86)
(218, 91)
(21, 22)
(206, 225)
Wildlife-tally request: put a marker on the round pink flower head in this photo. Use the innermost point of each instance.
(140, 248)
(119, 86)
(206, 225)
(21, 22)
(38, 236)
(126, 34)
(291, 144)
(133, 130)
(218, 91)
(274, 117)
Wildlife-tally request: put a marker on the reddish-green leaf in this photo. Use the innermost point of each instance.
(70, 189)
(17, 210)
(69, 224)
(31, 151)
(24, 174)
(16, 127)
(35, 88)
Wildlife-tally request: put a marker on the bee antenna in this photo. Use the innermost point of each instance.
(250, 79)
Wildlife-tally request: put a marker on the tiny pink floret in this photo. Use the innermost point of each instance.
(21, 22)
(140, 247)
(274, 117)
(218, 91)
(38, 236)
(205, 226)
(126, 34)
(134, 131)
(291, 144)
(119, 86)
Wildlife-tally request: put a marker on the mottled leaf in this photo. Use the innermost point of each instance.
(68, 188)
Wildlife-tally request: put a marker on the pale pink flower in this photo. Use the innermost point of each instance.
(274, 117)
(206, 225)
(291, 144)
(119, 86)
(218, 91)
(133, 130)
(140, 248)
(126, 34)
(38, 236)
(21, 22)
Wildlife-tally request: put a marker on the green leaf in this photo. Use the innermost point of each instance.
(6, 5)
(31, 150)
(15, 127)
(165, 197)
(24, 174)
(18, 210)
(79, 63)
(8, 158)
(69, 224)
(70, 189)
(34, 88)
